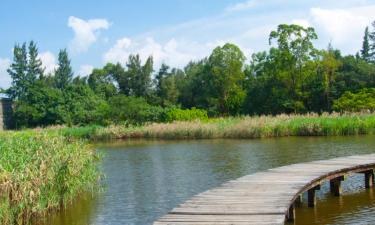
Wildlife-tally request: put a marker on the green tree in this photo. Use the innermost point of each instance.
(294, 49)
(18, 72)
(101, 82)
(329, 67)
(364, 100)
(139, 76)
(366, 48)
(34, 66)
(64, 72)
(225, 79)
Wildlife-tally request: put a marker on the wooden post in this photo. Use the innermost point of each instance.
(291, 213)
(369, 178)
(335, 185)
(298, 201)
(311, 198)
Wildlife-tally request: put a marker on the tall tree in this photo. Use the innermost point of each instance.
(64, 72)
(34, 66)
(226, 78)
(372, 42)
(294, 49)
(139, 76)
(329, 69)
(18, 73)
(366, 48)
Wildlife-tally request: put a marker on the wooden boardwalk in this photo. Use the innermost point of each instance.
(268, 197)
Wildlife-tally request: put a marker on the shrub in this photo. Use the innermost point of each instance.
(176, 114)
(361, 101)
(133, 110)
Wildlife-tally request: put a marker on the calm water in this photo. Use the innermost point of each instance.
(146, 179)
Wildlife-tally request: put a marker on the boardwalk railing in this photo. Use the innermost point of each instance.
(268, 197)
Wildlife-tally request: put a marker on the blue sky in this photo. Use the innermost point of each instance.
(173, 31)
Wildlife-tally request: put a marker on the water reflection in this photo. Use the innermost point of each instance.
(146, 179)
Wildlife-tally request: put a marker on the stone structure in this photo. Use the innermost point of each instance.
(5, 114)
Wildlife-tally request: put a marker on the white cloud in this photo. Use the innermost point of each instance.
(302, 22)
(343, 26)
(85, 32)
(175, 53)
(5, 79)
(48, 61)
(85, 70)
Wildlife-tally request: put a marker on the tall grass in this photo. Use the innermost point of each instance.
(42, 171)
(238, 127)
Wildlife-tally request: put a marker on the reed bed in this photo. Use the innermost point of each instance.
(41, 171)
(245, 127)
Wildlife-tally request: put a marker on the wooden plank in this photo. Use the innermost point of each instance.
(264, 197)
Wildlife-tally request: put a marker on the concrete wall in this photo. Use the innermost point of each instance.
(6, 121)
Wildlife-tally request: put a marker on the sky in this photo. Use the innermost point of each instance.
(172, 31)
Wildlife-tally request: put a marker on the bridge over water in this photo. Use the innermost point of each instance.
(269, 197)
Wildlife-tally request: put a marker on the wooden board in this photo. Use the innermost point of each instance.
(264, 197)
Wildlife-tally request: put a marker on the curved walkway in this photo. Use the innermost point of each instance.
(268, 197)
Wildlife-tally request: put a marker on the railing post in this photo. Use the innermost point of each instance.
(291, 213)
(369, 178)
(335, 185)
(311, 198)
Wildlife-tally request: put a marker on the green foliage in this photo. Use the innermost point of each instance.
(42, 171)
(176, 114)
(364, 100)
(366, 48)
(64, 73)
(133, 110)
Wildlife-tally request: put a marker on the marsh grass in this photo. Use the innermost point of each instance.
(40, 172)
(238, 127)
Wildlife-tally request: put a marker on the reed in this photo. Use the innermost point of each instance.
(41, 171)
(237, 127)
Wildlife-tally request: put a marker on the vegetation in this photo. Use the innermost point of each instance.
(291, 77)
(361, 101)
(235, 127)
(41, 171)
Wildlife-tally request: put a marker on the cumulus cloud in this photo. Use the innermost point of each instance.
(85, 32)
(5, 79)
(174, 52)
(48, 61)
(343, 26)
(85, 70)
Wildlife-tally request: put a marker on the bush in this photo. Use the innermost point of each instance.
(133, 110)
(362, 101)
(176, 114)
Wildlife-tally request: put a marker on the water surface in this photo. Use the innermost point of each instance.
(146, 179)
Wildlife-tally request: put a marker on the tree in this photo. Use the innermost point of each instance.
(364, 100)
(140, 76)
(329, 68)
(101, 82)
(372, 43)
(18, 73)
(226, 78)
(294, 50)
(64, 72)
(366, 48)
(34, 66)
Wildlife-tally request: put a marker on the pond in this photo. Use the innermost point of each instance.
(146, 179)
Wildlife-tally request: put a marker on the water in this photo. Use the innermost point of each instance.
(146, 179)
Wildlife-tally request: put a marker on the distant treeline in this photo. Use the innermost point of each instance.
(291, 77)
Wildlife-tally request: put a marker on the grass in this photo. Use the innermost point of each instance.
(236, 127)
(42, 171)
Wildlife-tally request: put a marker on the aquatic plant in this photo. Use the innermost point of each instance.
(238, 127)
(42, 171)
